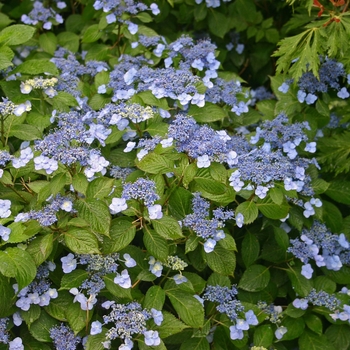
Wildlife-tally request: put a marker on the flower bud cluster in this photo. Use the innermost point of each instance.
(320, 298)
(7, 108)
(40, 83)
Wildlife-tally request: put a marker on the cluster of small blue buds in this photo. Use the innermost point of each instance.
(343, 315)
(208, 229)
(63, 338)
(320, 298)
(48, 215)
(232, 307)
(202, 143)
(320, 245)
(46, 15)
(331, 74)
(38, 292)
(128, 320)
(142, 189)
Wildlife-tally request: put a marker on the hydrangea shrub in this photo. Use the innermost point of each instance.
(166, 183)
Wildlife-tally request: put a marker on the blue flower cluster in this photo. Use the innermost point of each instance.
(320, 298)
(232, 307)
(208, 229)
(47, 216)
(38, 292)
(97, 267)
(320, 245)
(4, 333)
(63, 338)
(331, 74)
(201, 142)
(211, 3)
(46, 15)
(128, 320)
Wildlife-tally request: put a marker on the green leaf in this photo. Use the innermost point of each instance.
(314, 323)
(325, 283)
(40, 248)
(170, 325)
(92, 34)
(221, 260)
(191, 243)
(122, 232)
(180, 203)
(40, 329)
(305, 46)
(332, 216)
(339, 190)
(81, 241)
(263, 336)
(276, 195)
(250, 249)
(58, 306)
(95, 342)
(63, 100)
(68, 40)
(154, 298)
(37, 66)
(219, 24)
(31, 315)
(100, 188)
(155, 164)
(80, 183)
(301, 285)
(189, 309)
(73, 279)
(144, 17)
(339, 336)
(7, 296)
(249, 210)
(281, 237)
(149, 99)
(311, 341)
(295, 327)
(96, 213)
(155, 244)
(48, 42)
(271, 210)
(25, 132)
(255, 278)
(16, 34)
(17, 263)
(195, 344)
(210, 186)
(209, 113)
(168, 227)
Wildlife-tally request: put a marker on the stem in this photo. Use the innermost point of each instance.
(2, 130)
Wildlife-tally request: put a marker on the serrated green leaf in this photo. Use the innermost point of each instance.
(255, 278)
(25, 132)
(76, 317)
(155, 164)
(301, 285)
(16, 34)
(167, 227)
(81, 241)
(221, 260)
(48, 42)
(195, 344)
(7, 295)
(96, 213)
(99, 188)
(92, 34)
(295, 327)
(73, 279)
(339, 336)
(312, 341)
(271, 210)
(37, 66)
(189, 309)
(40, 329)
(209, 113)
(40, 248)
(250, 249)
(263, 335)
(313, 322)
(339, 190)
(17, 263)
(154, 298)
(155, 244)
(249, 210)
